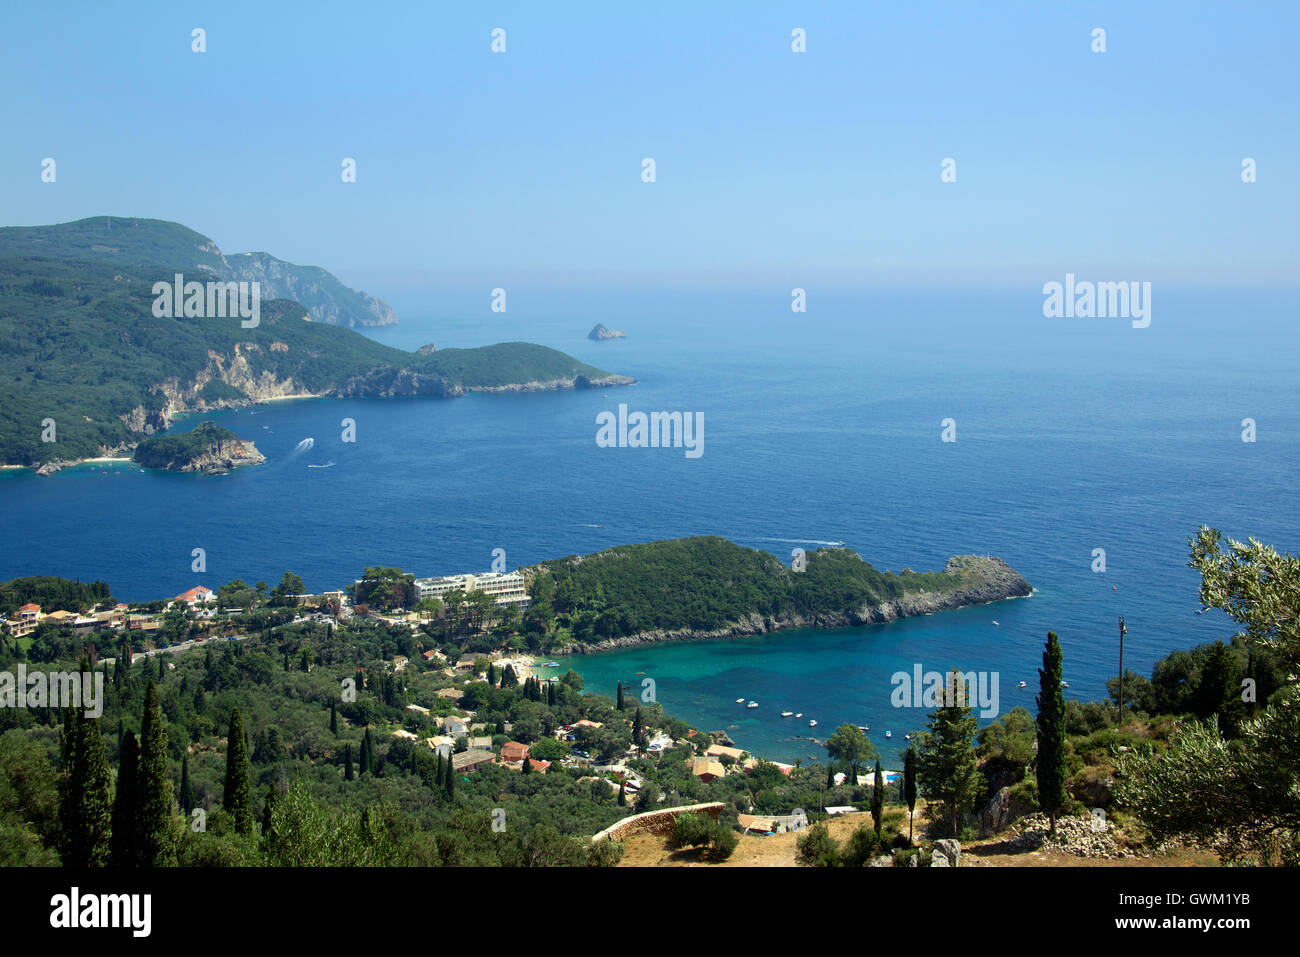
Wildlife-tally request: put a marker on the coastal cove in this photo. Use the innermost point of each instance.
(831, 675)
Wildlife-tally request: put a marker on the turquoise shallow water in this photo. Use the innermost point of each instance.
(825, 427)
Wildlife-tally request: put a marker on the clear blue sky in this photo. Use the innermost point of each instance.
(770, 164)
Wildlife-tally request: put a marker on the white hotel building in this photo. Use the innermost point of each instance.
(506, 588)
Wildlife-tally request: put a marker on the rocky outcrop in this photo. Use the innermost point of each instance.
(946, 853)
(578, 381)
(600, 333)
(984, 580)
(223, 457)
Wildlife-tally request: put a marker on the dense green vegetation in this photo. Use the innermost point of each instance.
(173, 451)
(80, 346)
(700, 584)
(133, 244)
(52, 594)
(260, 742)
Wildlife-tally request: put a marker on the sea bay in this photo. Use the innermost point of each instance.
(822, 427)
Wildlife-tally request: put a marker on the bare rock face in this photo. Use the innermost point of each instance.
(949, 850)
(600, 333)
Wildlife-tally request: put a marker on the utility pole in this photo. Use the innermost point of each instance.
(1123, 630)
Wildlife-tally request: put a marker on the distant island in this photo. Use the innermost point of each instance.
(88, 370)
(701, 588)
(208, 448)
(600, 333)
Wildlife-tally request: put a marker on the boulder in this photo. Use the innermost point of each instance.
(949, 849)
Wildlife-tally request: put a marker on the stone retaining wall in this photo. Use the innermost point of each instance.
(655, 822)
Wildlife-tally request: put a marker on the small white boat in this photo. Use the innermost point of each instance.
(740, 701)
(996, 622)
(889, 734)
(799, 715)
(1022, 684)
(907, 737)
(812, 723)
(787, 714)
(1065, 684)
(752, 704)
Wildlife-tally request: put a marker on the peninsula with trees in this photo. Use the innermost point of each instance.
(87, 369)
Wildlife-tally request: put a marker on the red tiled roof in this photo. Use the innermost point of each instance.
(514, 751)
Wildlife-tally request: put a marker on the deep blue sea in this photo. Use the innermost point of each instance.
(821, 427)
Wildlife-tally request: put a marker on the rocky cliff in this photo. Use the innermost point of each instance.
(600, 333)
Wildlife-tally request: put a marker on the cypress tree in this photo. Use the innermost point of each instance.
(550, 693)
(947, 763)
(237, 796)
(492, 674)
(366, 758)
(268, 810)
(451, 780)
(620, 696)
(526, 767)
(124, 841)
(187, 790)
(909, 787)
(68, 740)
(622, 794)
(86, 806)
(347, 762)
(155, 814)
(1051, 732)
(830, 775)
(878, 798)
(334, 719)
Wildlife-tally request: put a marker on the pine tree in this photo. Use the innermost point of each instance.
(909, 787)
(1051, 732)
(878, 799)
(86, 812)
(237, 796)
(155, 815)
(947, 764)
(124, 842)
(347, 762)
(187, 790)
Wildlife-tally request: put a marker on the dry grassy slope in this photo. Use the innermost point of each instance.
(778, 850)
